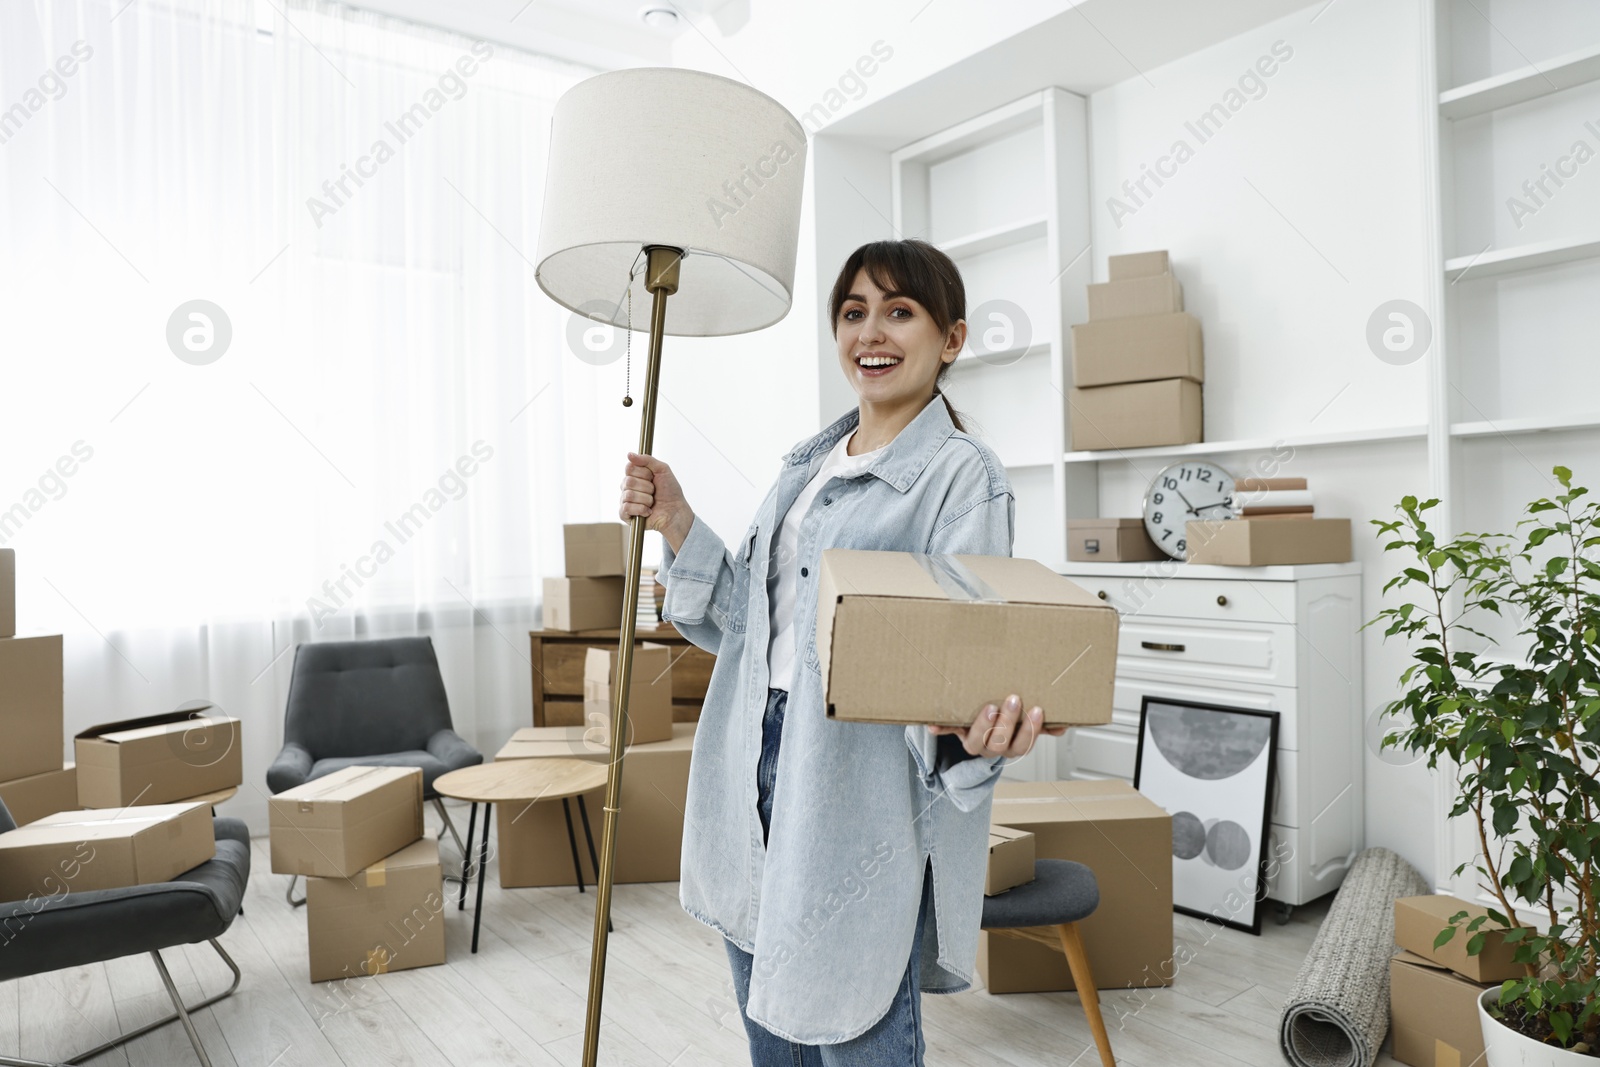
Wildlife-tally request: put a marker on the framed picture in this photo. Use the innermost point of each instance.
(1215, 769)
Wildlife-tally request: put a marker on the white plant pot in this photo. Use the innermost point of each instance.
(1505, 1047)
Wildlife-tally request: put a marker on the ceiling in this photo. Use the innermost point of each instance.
(605, 34)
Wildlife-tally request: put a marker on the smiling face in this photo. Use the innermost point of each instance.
(890, 348)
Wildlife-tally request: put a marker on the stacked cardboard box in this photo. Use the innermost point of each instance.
(1126, 839)
(1110, 541)
(590, 595)
(388, 916)
(374, 884)
(1011, 856)
(655, 784)
(34, 781)
(1138, 363)
(79, 851)
(1259, 535)
(158, 759)
(1433, 992)
(649, 693)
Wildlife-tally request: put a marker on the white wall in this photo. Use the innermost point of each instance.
(1287, 227)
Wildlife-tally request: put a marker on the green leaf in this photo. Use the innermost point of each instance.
(1444, 937)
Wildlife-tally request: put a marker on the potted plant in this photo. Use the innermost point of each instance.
(1523, 735)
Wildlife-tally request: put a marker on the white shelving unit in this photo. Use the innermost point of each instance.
(1006, 196)
(1515, 342)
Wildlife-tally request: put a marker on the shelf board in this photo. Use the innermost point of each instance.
(1532, 424)
(1521, 85)
(1011, 233)
(1205, 448)
(1007, 119)
(1521, 258)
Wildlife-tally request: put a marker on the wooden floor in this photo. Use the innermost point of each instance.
(669, 1001)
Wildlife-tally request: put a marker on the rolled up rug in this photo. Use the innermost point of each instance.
(1338, 1012)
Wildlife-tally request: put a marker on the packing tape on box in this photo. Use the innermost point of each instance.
(378, 960)
(377, 874)
(1445, 1055)
(120, 819)
(957, 579)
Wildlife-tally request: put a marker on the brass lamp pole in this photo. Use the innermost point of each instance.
(661, 281)
(705, 175)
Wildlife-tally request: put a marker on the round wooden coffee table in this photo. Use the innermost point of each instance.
(522, 781)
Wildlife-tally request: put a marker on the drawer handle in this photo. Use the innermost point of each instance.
(1160, 646)
(1222, 601)
(1101, 594)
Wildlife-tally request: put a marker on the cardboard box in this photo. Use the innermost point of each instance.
(655, 784)
(1137, 265)
(1433, 1014)
(1262, 542)
(106, 848)
(1141, 349)
(8, 592)
(596, 549)
(1010, 859)
(1110, 540)
(388, 917)
(649, 694)
(158, 758)
(1418, 920)
(1127, 840)
(32, 798)
(1136, 415)
(583, 603)
(1158, 294)
(30, 706)
(336, 825)
(904, 638)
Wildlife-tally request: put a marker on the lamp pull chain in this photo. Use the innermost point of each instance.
(627, 400)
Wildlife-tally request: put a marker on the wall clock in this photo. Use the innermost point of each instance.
(1192, 489)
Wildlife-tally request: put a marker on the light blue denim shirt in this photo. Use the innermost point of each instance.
(828, 908)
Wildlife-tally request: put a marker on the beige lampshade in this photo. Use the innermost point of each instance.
(663, 156)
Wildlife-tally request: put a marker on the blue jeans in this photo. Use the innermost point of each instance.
(894, 1040)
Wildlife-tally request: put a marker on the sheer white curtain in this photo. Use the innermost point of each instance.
(395, 430)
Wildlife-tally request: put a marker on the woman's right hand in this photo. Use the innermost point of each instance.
(650, 489)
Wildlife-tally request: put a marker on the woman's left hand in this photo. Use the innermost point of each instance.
(1003, 730)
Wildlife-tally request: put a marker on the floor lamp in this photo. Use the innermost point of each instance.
(672, 183)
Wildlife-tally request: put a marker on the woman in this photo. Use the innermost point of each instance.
(842, 862)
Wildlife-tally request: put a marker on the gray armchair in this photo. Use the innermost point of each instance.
(74, 929)
(369, 703)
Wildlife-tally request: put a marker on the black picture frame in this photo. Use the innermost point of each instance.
(1259, 889)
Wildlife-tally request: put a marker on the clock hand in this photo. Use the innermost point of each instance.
(1185, 500)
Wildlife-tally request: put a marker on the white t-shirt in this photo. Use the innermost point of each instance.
(785, 561)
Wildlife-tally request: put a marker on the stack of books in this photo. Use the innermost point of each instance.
(647, 617)
(1271, 498)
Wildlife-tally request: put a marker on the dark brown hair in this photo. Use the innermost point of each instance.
(918, 270)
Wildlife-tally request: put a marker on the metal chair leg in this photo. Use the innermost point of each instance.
(183, 1012)
(288, 894)
(84, 1057)
(438, 804)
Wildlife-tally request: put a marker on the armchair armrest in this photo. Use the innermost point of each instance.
(449, 748)
(291, 768)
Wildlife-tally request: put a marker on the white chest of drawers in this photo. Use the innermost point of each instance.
(1278, 639)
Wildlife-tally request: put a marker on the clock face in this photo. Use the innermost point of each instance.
(1185, 491)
